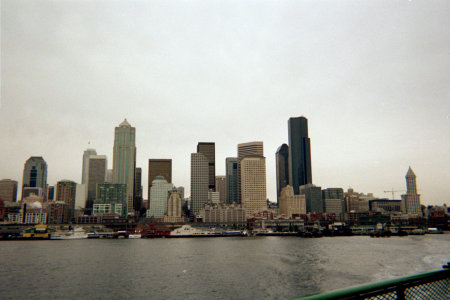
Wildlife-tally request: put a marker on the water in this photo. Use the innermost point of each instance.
(219, 268)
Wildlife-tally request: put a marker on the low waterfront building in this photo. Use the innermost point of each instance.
(223, 213)
(385, 205)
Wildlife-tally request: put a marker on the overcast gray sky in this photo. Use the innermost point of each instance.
(372, 77)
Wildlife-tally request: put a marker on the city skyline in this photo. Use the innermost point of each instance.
(376, 103)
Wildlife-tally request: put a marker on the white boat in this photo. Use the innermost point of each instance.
(189, 231)
(134, 236)
(74, 234)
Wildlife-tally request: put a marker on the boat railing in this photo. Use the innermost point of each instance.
(430, 285)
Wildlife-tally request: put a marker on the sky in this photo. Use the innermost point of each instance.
(371, 77)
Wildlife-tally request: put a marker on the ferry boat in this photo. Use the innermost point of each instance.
(73, 234)
(189, 231)
(40, 231)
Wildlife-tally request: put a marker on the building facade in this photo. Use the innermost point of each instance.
(290, 204)
(174, 207)
(96, 174)
(66, 192)
(224, 213)
(313, 196)
(300, 172)
(84, 173)
(138, 189)
(158, 167)
(8, 190)
(208, 149)
(199, 182)
(385, 205)
(333, 200)
(253, 184)
(221, 188)
(158, 197)
(411, 200)
(282, 168)
(231, 166)
(111, 199)
(243, 150)
(58, 212)
(35, 174)
(124, 160)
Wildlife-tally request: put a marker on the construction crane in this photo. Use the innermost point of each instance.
(392, 191)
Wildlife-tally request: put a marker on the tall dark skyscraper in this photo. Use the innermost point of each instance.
(300, 172)
(209, 151)
(282, 168)
(137, 189)
(231, 164)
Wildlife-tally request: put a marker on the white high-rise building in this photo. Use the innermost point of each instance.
(124, 159)
(411, 201)
(253, 184)
(199, 182)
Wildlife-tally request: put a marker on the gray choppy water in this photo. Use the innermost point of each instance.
(219, 268)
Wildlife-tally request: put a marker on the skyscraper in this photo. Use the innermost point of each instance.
(138, 189)
(199, 182)
(84, 174)
(253, 184)
(35, 174)
(209, 151)
(96, 174)
(411, 200)
(221, 188)
(231, 165)
(66, 192)
(159, 167)
(282, 168)
(124, 159)
(299, 153)
(8, 190)
(243, 150)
